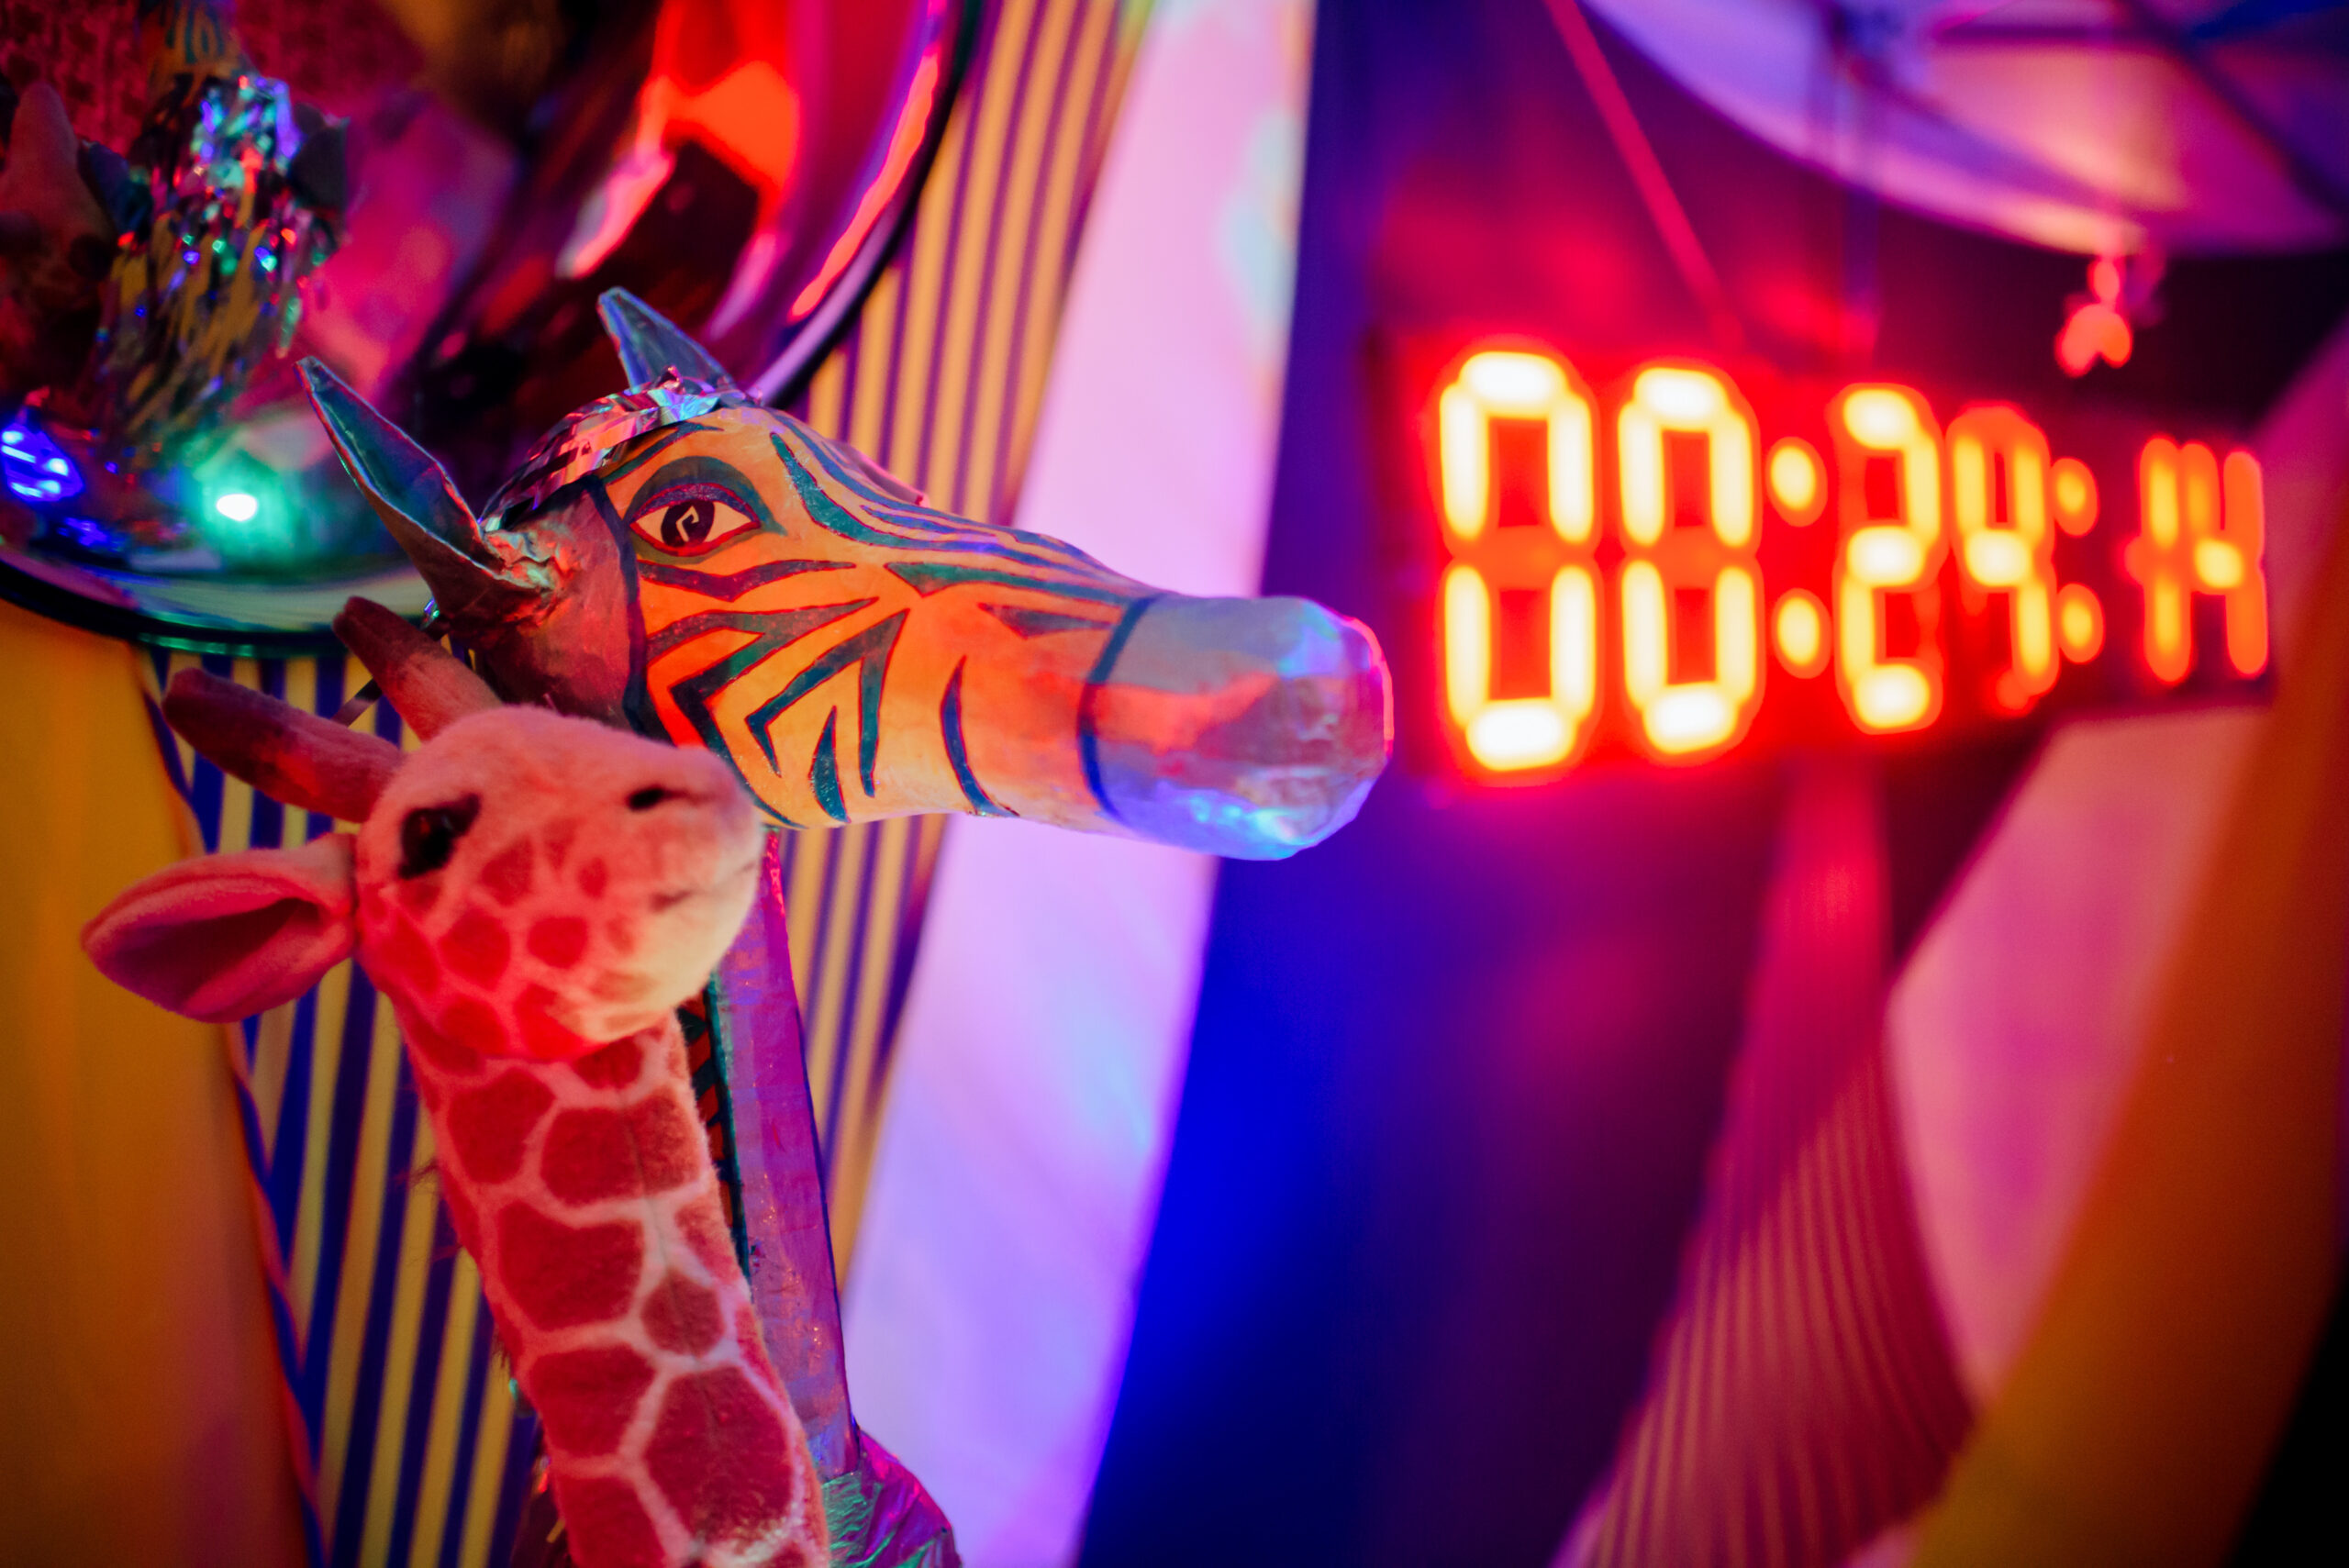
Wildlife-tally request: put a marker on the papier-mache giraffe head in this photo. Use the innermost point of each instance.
(533, 885)
(680, 558)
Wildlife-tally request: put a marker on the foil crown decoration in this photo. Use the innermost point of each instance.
(240, 218)
(582, 440)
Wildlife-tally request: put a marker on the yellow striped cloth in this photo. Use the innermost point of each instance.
(940, 382)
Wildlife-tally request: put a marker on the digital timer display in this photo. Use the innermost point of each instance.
(1631, 567)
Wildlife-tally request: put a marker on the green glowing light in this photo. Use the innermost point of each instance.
(238, 507)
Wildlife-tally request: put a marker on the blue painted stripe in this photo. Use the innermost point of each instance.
(415, 1442)
(1087, 741)
(949, 725)
(367, 1401)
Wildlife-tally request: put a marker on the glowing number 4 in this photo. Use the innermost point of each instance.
(2190, 546)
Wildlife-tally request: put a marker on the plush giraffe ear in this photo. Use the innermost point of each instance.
(649, 342)
(227, 936)
(431, 688)
(295, 757)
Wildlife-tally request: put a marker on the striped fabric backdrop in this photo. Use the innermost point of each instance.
(411, 1443)
(940, 382)
(1804, 1397)
(408, 1437)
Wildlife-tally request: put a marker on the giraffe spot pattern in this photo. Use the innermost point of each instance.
(702, 1224)
(586, 1396)
(542, 1035)
(419, 895)
(489, 1127)
(594, 877)
(649, 1147)
(438, 1049)
(471, 1025)
(557, 941)
(713, 1454)
(561, 1276)
(506, 875)
(753, 1354)
(616, 1066)
(476, 947)
(683, 1315)
(609, 1523)
(558, 840)
(401, 960)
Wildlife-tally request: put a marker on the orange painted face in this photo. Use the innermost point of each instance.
(684, 559)
(856, 654)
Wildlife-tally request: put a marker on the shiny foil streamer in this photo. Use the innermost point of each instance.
(579, 443)
(216, 289)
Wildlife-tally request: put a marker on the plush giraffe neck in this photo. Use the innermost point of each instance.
(577, 1174)
(535, 896)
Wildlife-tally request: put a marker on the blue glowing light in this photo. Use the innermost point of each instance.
(37, 471)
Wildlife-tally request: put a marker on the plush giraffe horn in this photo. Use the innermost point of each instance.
(296, 758)
(414, 496)
(649, 342)
(431, 688)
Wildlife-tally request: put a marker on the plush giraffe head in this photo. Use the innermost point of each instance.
(533, 893)
(683, 559)
(536, 884)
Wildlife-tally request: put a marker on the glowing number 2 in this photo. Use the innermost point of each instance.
(1514, 734)
(2188, 547)
(1881, 556)
(1688, 721)
(2014, 555)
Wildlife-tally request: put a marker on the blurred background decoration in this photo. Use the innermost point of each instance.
(428, 195)
(2104, 127)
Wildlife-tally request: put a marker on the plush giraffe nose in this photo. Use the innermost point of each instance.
(1248, 728)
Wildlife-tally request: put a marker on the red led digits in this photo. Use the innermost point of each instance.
(1693, 483)
(1687, 720)
(1883, 556)
(2005, 545)
(1519, 734)
(2202, 530)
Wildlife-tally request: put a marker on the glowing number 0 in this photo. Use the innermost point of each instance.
(1688, 721)
(1880, 556)
(2016, 556)
(1509, 735)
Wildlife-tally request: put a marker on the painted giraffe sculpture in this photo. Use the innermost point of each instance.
(679, 559)
(683, 560)
(535, 895)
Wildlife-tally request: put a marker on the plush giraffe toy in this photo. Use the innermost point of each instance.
(535, 895)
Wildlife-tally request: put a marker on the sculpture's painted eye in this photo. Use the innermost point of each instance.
(690, 524)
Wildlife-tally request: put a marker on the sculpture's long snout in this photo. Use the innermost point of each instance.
(1248, 728)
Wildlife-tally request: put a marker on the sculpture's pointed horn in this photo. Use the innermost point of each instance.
(414, 496)
(649, 342)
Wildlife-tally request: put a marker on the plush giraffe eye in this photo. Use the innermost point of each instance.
(428, 835)
(688, 525)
